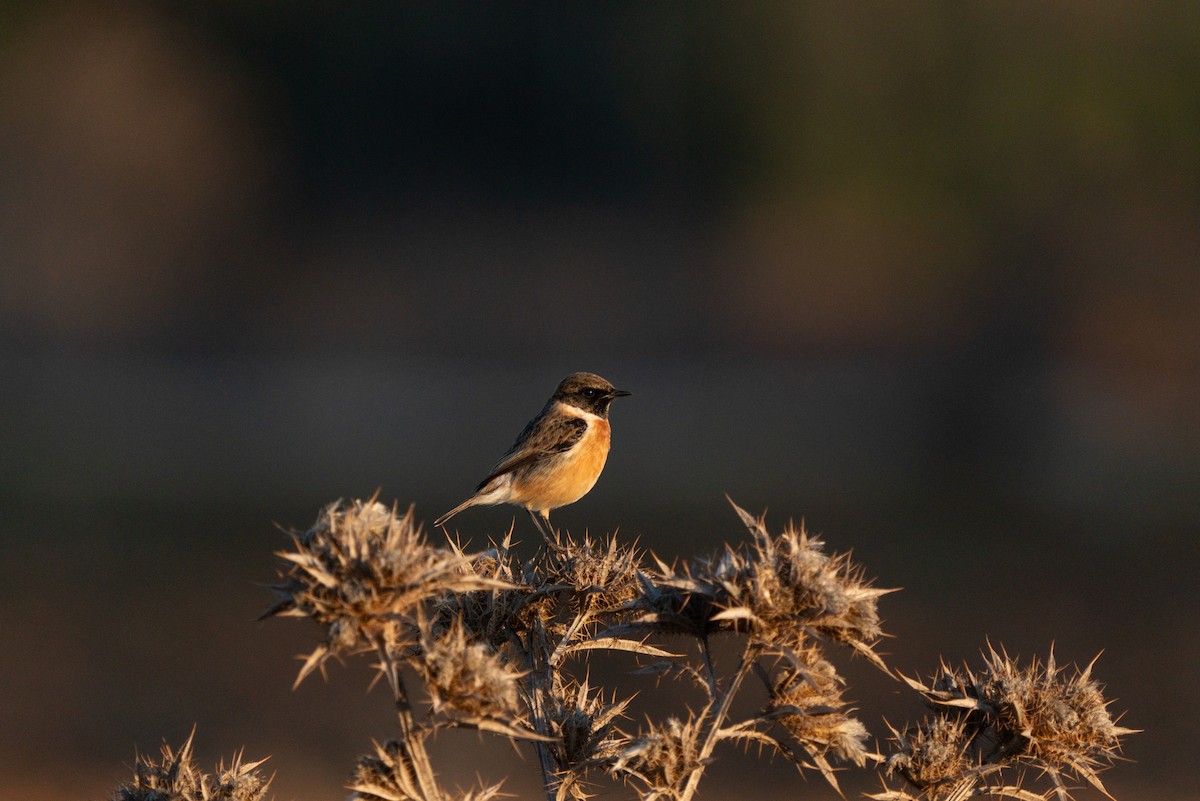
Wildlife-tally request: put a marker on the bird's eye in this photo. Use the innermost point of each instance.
(590, 392)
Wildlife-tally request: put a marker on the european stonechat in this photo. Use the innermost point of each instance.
(557, 458)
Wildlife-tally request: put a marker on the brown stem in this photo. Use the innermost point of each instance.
(541, 668)
(710, 670)
(539, 680)
(749, 658)
(581, 620)
(411, 745)
(537, 703)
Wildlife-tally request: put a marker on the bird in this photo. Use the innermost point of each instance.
(558, 456)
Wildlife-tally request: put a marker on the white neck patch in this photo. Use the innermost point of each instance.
(575, 411)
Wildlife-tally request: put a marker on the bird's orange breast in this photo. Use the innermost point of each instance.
(568, 477)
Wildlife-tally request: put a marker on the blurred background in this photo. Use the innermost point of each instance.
(925, 276)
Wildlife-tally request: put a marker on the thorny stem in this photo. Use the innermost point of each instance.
(749, 659)
(539, 677)
(709, 669)
(541, 668)
(580, 620)
(412, 747)
(762, 675)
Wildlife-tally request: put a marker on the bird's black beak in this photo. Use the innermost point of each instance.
(619, 393)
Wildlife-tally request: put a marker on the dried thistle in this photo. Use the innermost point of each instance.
(466, 675)
(788, 589)
(387, 775)
(585, 732)
(506, 607)
(789, 599)
(782, 590)
(807, 702)
(663, 760)
(503, 644)
(175, 777)
(933, 756)
(365, 574)
(1007, 718)
(602, 575)
(673, 601)
(390, 775)
(495, 641)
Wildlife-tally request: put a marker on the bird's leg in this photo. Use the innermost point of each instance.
(540, 524)
(536, 523)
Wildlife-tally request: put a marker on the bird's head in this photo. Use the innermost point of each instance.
(589, 392)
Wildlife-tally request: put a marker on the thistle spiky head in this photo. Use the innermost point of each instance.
(807, 701)
(662, 759)
(365, 573)
(1008, 716)
(176, 777)
(465, 674)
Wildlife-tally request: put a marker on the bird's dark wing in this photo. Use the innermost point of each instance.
(541, 439)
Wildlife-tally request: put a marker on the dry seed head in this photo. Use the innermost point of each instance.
(780, 589)
(465, 675)
(1009, 716)
(177, 778)
(387, 775)
(663, 758)
(933, 755)
(491, 615)
(672, 601)
(808, 703)
(585, 724)
(787, 587)
(791, 581)
(603, 573)
(1063, 718)
(364, 574)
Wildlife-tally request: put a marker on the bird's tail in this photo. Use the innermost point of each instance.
(441, 521)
